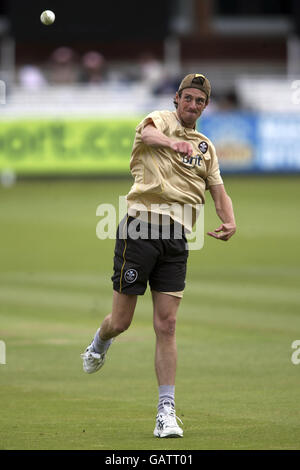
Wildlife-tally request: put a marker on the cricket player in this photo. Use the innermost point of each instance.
(172, 165)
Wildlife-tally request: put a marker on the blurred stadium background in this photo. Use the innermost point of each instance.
(120, 62)
(70, 97)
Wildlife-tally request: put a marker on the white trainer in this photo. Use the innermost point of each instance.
(92, 361)
(166, 423)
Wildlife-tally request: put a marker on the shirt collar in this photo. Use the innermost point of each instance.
(185, 128)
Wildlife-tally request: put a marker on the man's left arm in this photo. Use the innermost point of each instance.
(224, 209)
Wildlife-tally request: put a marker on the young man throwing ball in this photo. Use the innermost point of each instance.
(172, 164)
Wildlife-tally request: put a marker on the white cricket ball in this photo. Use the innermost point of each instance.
(47, 17)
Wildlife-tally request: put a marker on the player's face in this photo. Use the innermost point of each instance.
(190, 106)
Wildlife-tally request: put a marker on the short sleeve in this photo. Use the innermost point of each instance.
(214, 176)
(158, 120)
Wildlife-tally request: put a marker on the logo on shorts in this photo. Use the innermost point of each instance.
(130, 276)
(203, 146)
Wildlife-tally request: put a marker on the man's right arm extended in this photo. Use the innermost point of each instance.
(154, 138)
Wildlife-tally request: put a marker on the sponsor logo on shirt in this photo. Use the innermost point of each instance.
(192, 161)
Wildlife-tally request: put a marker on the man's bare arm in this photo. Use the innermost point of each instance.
(155, 138)
(224, 209)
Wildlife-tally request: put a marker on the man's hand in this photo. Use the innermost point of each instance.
(155, 138)
(224, 210)
(182, 147)
(224, 232)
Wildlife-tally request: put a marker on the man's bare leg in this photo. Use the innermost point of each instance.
(113, 324)
(120, 317)
(164, 319)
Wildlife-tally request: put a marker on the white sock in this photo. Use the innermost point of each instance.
(166, 396)
(99, 345)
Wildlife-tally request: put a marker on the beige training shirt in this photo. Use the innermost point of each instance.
(167, 182)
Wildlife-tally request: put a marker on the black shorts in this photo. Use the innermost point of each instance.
(158, 256)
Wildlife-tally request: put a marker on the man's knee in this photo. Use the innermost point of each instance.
(165, 325)
(120, 325)
(122, 313)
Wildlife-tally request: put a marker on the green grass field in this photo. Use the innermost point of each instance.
(236, 385)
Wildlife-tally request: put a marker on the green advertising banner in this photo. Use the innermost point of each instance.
(66, 146)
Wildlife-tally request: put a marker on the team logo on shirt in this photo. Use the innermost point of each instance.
(130, 275)
(203, 146)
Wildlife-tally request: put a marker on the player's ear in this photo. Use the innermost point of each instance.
(176, 98)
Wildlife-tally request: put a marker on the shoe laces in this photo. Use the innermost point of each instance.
(170, 417)
(94, 357)
(91, 356)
